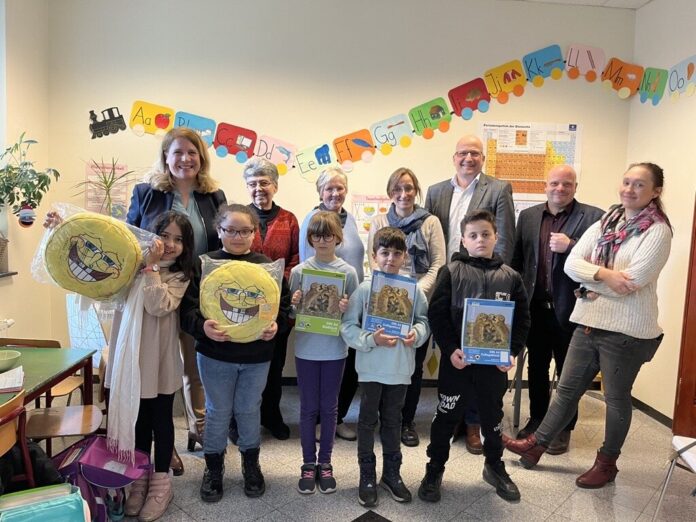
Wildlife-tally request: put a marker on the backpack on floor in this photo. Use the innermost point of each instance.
(100, 476)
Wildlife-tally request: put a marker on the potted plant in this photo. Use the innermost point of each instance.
(22, 186)
(104, 180)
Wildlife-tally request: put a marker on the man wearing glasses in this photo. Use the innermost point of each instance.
(450, 201)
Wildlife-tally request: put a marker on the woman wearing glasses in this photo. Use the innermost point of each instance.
(277, 237)
(181, 181)
(426, 246)
(332, 186)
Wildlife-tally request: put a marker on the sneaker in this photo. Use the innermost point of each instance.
(367, 489)
(308, 479)
(497, 477)
(429, 489)
(391, 478)
(409, 435)
(530, 427)
(345, 433)
(327, 482)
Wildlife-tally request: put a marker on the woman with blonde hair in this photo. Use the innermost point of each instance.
(181, 181)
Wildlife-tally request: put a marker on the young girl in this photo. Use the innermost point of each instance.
(233, 374)
(319, 359)
(146, 389)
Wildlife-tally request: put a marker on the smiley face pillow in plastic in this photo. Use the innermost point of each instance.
(93, 255)
(242, 297)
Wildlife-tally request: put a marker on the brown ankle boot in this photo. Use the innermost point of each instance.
(159, 495)
(602, 471)
(528, 449)
(473, 439)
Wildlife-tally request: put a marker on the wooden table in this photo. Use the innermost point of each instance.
(46, 367)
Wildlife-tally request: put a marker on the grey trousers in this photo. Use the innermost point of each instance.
(619, 358)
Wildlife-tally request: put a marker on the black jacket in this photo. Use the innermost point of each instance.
(525, 257)
(147, 203)
(242, 353)
(478, 278)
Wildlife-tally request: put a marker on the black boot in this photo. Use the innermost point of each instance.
(254, 486)
(211, 488)
(391, 479)
(429, 489)
(367, 490)
(497, 477)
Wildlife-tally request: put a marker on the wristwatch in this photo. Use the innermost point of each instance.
(152, 268)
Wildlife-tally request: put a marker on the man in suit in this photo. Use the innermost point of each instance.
(546, 233)
(450, 201)
(469, 189)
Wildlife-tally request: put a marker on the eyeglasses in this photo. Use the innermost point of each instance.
(230, 232)
(406, 189)
(464, 153)
(334, 190)
(326, 237)
(263, 183)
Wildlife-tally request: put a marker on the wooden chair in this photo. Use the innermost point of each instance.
(70, 421)
(12, 431)
(65, 387)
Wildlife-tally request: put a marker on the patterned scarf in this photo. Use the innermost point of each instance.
(416, 246)
(616, 230)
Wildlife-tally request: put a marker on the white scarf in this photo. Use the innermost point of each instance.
(124, 399)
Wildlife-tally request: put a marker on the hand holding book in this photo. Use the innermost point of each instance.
(384, 340)
(507, 368)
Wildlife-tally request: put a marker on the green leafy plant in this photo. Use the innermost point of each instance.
(20, 183)
(105, 181)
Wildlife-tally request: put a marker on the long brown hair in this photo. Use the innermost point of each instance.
(658, 177)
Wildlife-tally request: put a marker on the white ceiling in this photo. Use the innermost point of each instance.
(622, 4)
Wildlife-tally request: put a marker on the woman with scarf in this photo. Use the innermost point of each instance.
(617, 263)
(425, 242)
(332, 186)
(277, 237)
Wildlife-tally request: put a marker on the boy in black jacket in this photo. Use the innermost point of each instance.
(477, 274)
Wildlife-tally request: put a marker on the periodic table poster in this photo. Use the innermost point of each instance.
(522, 153)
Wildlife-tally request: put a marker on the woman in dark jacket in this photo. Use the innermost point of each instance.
(181, 181)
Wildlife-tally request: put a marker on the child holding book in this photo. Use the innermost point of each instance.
(320, 359)
(475, 273)
(384, 364)
(233, 373)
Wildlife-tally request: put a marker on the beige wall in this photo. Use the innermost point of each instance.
(666, 135)
(302, 71)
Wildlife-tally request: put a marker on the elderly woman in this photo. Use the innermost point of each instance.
(426, 245)
(617, 261)
(277, 237)
(181, 181)
(332, 186)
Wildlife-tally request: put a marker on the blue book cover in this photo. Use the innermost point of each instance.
(391, 304)
(487, 331)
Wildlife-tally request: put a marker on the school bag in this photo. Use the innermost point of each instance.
(100, 476)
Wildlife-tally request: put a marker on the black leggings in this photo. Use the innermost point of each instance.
(155, 417)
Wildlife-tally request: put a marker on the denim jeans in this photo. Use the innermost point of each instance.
(232, 389)
(619, 358)
(383, 402)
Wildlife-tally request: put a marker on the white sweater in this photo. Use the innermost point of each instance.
(642, 257)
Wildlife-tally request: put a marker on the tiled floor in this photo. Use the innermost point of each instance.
(548, 491)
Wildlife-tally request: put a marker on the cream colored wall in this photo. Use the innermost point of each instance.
(302, 71)
(27, 302)
(666, 135)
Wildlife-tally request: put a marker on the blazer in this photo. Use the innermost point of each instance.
(147, 203)
(491, 194)
(526, 254)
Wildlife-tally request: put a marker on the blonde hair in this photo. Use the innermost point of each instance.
(160, 177)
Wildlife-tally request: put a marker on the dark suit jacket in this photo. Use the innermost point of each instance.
(491, 194)
(147, 203)
(526, 254)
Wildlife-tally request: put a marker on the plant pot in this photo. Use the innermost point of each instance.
(27, 215)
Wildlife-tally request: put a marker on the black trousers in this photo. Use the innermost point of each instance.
(155, 418)
(487, 385)
(413, 392)
(270, 399)
(381, 402)
(546, 339)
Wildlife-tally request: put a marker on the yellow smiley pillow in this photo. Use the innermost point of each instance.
(93, 255)
(242, 297)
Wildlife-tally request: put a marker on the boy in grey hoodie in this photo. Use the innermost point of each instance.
(384, 364)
